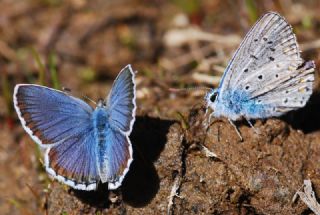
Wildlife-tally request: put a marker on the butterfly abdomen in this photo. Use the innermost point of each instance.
(100, 125)
(100, 118)
(105, 146)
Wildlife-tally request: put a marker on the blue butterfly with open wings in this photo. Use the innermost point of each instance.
(83, 145)
(266, 76)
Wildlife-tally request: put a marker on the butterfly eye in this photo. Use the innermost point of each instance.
(213, 97)
(100, 103)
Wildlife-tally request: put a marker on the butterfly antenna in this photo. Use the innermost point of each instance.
(68, 90)
(86, 97)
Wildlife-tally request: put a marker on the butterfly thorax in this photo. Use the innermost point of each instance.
(100, 118)
(237, 104)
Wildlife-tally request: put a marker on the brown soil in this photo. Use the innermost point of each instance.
(92, 41)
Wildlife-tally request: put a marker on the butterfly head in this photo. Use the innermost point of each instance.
(211, 96)
(101, 103)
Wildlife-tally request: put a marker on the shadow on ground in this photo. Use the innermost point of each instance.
(306, 119)
(141, 184)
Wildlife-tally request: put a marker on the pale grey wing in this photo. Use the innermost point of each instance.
(288, 93)
(268, 48)
(268, 68)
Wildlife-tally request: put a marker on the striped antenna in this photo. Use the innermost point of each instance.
(68, 91)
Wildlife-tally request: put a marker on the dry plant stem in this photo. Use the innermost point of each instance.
(206, 79)
(179, 37)
(308, 197)
(173, 194)
(308, 46)
(207, 152)
(212, 63)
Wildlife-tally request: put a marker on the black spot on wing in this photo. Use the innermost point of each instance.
(253, 56)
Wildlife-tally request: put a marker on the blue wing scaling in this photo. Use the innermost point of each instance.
(50, 116)
(74, 161)
(83, 145)
(121, 101)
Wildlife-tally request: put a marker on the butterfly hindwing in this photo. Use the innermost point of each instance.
(291, 94)
(74, 162)
(115, 157)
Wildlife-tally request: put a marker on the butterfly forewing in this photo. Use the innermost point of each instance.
(50, 116)
(121, 101)
(270, 41)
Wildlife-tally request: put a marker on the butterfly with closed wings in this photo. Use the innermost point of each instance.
(266, 76)
(83, 146)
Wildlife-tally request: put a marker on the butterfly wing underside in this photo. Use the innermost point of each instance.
(61, 124)
(268, 68)
(116, 152)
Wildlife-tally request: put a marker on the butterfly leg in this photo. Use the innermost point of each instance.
(210, 118)
(206, 111)
(255, 130)
(236, 128)
(207, 120)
